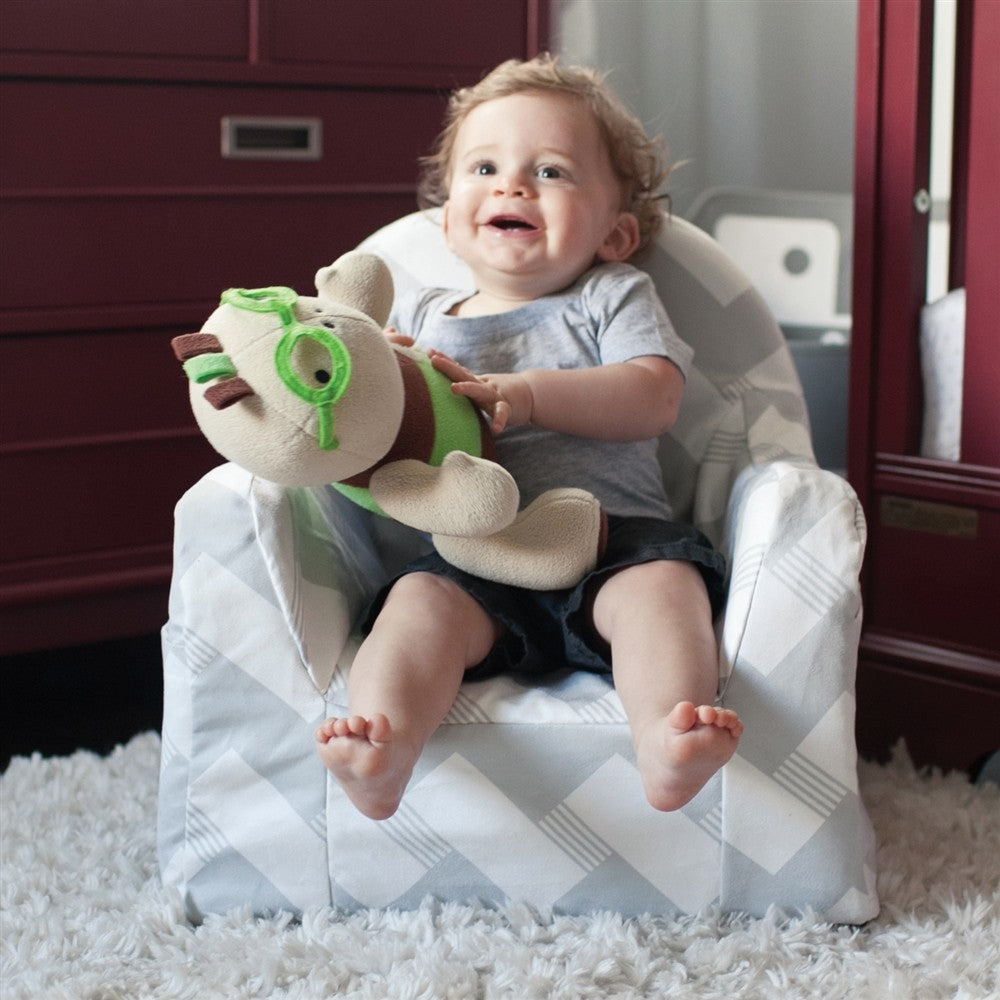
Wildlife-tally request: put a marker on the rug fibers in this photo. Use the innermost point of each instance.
(84, 917)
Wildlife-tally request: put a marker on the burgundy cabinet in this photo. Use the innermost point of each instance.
(930, 652)
(123, 221)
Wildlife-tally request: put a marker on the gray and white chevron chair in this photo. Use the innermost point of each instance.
(530, 793)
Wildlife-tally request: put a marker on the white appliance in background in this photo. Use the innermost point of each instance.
(796, 248)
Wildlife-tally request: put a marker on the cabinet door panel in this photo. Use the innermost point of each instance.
(157, 250)
(83, 498)
(127, 28)
(106, 383)
(68, 136)
(452, 34)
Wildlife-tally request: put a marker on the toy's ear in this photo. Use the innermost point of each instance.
(359, 280)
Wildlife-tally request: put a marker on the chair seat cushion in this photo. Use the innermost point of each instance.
(527, 793)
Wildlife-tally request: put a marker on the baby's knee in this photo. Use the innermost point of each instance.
(654, 577)
(433, 596)
(672, 580)
(427, 591)
(421, 601)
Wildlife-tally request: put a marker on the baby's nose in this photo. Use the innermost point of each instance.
(513, 184)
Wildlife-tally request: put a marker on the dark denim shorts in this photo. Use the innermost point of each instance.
(543, 628)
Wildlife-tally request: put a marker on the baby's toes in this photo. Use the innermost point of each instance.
(378, 729)
(355, 725)
(324, 731)
(728, 719)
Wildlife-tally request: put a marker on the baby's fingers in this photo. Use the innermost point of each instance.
(395, 337)
(450, 368)
(486, 398)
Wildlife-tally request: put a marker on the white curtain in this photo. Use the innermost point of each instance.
(751, 93)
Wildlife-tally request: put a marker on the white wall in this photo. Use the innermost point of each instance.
(753, 93)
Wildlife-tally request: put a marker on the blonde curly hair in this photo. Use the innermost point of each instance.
(640, 163)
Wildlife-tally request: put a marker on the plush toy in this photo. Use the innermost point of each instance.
(308, 391)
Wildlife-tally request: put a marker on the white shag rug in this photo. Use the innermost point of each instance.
(84, 916)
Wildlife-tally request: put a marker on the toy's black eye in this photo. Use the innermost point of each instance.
(312, 362)
(329, 324)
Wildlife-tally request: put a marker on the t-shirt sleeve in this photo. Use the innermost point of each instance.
(411, 310)
(630, 319)
(404, 310)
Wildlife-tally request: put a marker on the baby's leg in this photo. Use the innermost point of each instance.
(403, 681)
(657, 619)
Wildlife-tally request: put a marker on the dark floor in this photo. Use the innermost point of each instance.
(85, 697)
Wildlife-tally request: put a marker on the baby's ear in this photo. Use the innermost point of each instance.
(445, 228)
(622, 241)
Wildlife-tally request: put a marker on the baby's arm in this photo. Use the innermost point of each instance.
(629, 401)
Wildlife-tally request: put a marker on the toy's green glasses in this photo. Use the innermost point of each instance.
(311, 360)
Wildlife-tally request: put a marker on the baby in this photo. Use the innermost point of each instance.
(549, 187)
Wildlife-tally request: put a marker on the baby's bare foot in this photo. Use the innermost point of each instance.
(372, 767)
(678, 753)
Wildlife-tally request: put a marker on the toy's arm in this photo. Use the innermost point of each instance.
(466, 496)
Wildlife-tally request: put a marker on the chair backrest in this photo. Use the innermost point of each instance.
(743, 403)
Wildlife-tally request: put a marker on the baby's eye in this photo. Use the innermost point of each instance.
(549, 173)
(484, 169)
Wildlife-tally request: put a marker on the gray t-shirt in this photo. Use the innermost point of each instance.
(610, 314)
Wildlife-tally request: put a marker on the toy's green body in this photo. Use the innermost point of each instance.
(436, 422)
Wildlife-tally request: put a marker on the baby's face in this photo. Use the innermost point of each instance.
(533, 200)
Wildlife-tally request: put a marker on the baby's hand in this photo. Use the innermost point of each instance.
(505, 399)
(395, 337)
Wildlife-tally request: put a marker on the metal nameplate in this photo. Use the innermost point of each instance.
(929, 517)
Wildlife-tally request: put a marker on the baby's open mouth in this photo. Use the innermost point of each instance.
(510, 223)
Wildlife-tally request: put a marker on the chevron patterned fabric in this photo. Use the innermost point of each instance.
(530, 793)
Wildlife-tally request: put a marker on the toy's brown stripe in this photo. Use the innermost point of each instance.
(191, 345)
(227, 392)
(416, 433)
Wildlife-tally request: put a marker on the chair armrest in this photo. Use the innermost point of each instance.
(312, 555)
(795, 539)
(788, 657)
